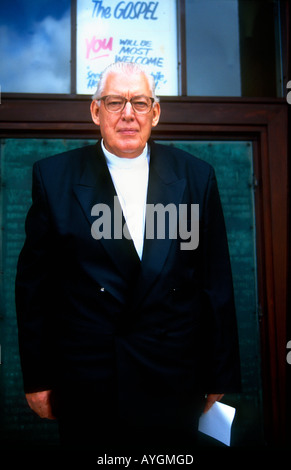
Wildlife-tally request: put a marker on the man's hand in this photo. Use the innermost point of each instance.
(210, 400)
(41, 403)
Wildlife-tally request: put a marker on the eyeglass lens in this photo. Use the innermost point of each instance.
(140, 104)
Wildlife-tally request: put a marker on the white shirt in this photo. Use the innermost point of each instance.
(130, 178)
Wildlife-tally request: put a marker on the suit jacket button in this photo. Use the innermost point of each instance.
(175, 290)
(161, 332)
(102, 289)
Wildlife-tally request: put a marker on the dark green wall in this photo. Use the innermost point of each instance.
(233, 164)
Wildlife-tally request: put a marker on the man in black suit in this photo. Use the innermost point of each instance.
(123, 332)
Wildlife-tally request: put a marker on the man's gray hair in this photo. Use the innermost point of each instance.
(126, 68)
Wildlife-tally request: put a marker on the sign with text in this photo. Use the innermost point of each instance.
(144, 33)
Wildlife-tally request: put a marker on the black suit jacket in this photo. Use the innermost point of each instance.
(155, 332)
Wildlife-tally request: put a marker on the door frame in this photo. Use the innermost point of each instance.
(265, 123)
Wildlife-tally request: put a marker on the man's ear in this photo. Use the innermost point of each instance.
(94, 108)
(156, 114)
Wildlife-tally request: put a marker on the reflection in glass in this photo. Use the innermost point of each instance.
(233, 48)
(212, 48)
(35, 42)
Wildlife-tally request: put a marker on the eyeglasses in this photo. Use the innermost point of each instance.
(115, 104)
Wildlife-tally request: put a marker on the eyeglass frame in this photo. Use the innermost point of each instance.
(103, 98)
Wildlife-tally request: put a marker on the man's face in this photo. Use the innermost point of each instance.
(125, 133)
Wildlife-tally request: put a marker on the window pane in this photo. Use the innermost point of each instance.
(143, 33)
(35, 42)
(232, 161)
(233, 48)
(212, 42)
(260, 50)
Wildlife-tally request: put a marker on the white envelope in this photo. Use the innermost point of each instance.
(217, 422)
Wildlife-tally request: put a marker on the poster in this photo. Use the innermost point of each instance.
(143, 32)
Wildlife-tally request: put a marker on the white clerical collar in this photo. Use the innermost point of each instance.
(113, 161)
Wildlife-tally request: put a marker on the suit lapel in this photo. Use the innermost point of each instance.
(96, 187)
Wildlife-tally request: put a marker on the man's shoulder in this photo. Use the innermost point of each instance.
(70, 157)
(67, 166)
(181, 159)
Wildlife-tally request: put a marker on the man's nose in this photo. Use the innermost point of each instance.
(128, 112)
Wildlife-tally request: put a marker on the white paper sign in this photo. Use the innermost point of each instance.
(143, 32)
(217, 422)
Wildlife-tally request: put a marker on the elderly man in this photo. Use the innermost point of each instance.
(123, 335)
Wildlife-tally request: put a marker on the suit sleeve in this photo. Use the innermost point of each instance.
(224, 365)
(35, 293)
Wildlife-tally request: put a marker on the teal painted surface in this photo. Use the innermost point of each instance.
(233, 165)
